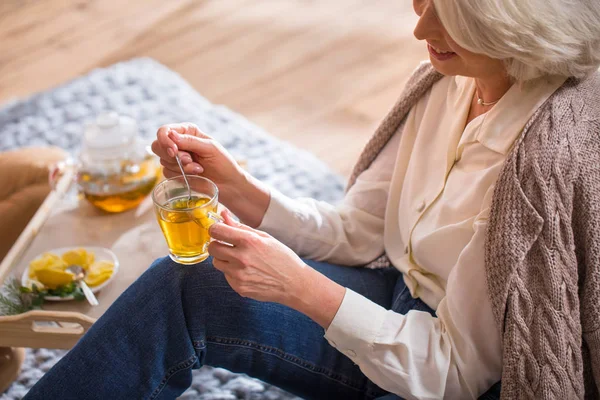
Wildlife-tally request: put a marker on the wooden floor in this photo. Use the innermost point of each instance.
(318, 73)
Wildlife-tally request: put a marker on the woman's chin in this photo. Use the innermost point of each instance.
(447, 68)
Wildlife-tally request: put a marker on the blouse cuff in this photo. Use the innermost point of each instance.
(279, 217)
(355, 326)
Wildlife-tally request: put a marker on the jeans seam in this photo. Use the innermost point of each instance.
(181, 366)
(288, 358)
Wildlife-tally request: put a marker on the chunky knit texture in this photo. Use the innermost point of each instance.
(543, 241)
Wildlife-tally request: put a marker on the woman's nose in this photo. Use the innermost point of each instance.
(428, 26)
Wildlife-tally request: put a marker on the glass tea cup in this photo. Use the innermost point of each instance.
(184, 221)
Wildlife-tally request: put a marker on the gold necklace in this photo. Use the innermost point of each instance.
(483, 103)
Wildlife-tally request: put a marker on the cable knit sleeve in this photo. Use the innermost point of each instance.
(586, 227)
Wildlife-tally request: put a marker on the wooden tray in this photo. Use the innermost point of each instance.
(63, 220)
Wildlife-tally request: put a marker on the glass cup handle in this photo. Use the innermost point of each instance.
(215, 217)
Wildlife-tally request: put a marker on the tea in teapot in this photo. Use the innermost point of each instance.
(116, 169)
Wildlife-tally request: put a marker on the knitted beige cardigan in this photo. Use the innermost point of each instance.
(543, 241)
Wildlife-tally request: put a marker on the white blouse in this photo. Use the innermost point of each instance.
(425, 200)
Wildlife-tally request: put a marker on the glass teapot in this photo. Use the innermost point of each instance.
(116, 169)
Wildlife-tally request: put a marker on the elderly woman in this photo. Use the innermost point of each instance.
(481, 189)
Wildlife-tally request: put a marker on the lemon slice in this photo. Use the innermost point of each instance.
(53, 278)
(78, 257)
(97, 279)
(99, 272)
(46, 261)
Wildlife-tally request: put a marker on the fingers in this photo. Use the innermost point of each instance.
(221, 251)
(193, 146)
(170, 174)
(201, 146)
(160, 151)
(229, 234)
(221, 265)
(229, 220)
(166, 146)
(187, 128)
(233, 232)
(167, 161)
(184, 157)
(191, 168)
(166, 142)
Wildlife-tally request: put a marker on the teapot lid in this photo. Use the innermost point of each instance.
(110, 135)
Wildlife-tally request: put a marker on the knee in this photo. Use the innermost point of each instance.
(163, 273)
(166, 273)
(165, 266)
(161, 268)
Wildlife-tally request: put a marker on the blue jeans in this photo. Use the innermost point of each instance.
(175, 318)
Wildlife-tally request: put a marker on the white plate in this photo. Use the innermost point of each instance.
(100, 253)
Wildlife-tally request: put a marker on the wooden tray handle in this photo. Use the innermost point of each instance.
(24, 330)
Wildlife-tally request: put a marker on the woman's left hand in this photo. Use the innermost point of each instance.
(256, 265)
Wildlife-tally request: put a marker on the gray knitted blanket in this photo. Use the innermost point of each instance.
(154, 95)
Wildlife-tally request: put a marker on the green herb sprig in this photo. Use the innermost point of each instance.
(17, 299)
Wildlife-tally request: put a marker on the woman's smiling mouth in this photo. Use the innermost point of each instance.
(439, 54)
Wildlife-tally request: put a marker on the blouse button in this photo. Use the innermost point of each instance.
(421, 206)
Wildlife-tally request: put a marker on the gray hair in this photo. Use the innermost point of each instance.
(533, 37)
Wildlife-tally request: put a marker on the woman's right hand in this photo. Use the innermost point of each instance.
(201, 155)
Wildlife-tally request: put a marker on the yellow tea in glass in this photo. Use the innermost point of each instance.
(185, 220)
